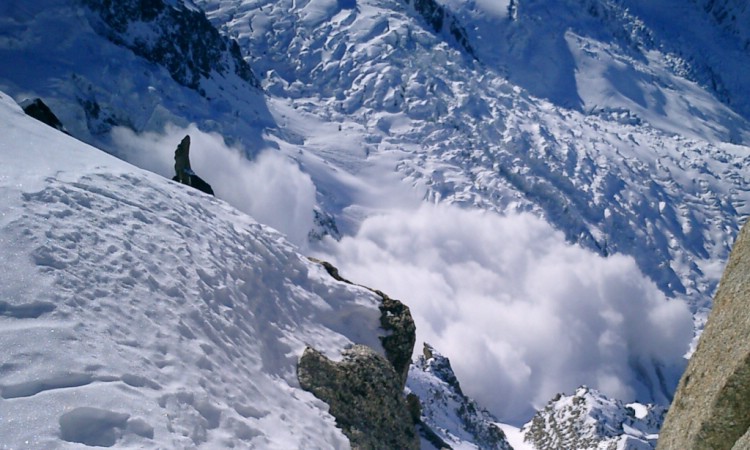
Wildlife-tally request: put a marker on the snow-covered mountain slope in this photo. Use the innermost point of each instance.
(620, 123)
(588, 420)
(105, 64)
(642, 164)
(137, 312)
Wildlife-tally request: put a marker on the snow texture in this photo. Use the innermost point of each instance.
(588, 420)
(622, 124)
(140, 313)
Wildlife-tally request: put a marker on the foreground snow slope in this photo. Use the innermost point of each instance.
(137, 312)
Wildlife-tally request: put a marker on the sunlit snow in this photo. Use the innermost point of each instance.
(605, 142)
(140, 312)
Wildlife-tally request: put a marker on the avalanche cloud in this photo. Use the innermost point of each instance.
(271, 188)
(522, 314)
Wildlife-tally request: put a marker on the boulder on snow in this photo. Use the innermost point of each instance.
(395, 318)
(183, 172)
(364, 395)
(711, 408)
(365, 391)
(40, 111)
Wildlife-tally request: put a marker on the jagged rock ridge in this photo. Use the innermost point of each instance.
(182, 39)
(588, 420)
(447, 415)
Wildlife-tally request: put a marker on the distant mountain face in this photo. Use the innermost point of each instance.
(179, 38)
(588, 420)
(636, 154)
(732, 15)
(136, 64)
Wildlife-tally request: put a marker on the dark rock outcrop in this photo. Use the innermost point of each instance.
(442, 20)
(395, 317)
(711, 408)
(183, 173)
(325, 225)
(40, 111)
(365, 391)
(364, 395)
(179, 38)
(732, 16)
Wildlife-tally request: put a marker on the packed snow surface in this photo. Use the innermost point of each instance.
(138, 312)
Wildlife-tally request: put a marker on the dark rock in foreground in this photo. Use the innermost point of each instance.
(364, 395)
(365, 391)
(184, 173)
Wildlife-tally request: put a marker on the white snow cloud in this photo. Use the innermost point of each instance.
(522, 314)
(271, 188)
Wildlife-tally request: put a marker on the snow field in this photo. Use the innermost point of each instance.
(141, 313)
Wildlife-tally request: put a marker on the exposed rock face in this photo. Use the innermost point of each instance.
(711, 409)
(325, 225)
(364, 395)
(732, 15)
(40, 111)
(183, 173)
(185, 42)
(439, 19)
(395, 318)
(588, 420)
(365, 391)
(448, 416)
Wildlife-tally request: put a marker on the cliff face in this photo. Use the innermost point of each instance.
(710, 409)
(732, 16)
(440, 19)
